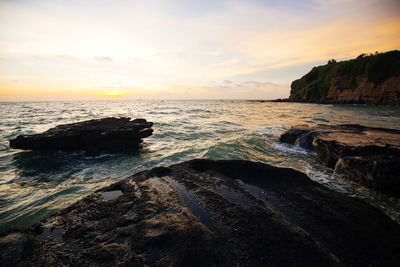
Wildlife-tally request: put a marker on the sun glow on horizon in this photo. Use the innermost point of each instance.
(173, 49)
(113, 94)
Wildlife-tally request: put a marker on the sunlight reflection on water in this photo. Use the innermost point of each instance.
(33, 184)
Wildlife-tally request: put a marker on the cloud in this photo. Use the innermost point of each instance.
(104, 59)
(207, 53)
(226, 63)
(230, 46)
(66, 57)
(259, 84)
(136, 60)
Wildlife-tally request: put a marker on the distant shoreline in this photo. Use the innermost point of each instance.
(287, 100)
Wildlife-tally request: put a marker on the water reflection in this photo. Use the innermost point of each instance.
(34, 184)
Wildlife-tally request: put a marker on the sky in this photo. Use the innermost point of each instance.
(181, 49)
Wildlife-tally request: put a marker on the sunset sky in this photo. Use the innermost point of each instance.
(209, 49)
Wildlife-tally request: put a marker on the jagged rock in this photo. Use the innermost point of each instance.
(108, 135)
(370, 156)
(209, 213)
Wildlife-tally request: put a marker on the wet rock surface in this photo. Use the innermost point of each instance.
(108, 135)
(209, 213)
(370, 156)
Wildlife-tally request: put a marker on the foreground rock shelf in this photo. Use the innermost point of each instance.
(208, 213)
(370, 156)
(108, 135)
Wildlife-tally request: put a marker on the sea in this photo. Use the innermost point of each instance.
(34, 184)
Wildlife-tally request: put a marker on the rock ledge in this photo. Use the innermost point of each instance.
(108, 135)
(209, 213)
(370, 156)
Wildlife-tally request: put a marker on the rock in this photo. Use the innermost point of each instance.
(365, 92)
(370, 156)
(210, 213)
(108, 135)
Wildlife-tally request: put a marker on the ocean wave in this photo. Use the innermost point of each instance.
(34, 183)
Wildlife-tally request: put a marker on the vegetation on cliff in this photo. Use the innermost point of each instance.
(376, 67)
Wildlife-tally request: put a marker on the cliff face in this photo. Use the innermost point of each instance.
(366, 92)
(373, 80)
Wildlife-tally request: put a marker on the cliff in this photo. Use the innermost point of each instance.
(373, 79)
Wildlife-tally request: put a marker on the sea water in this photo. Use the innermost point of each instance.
(34, 185)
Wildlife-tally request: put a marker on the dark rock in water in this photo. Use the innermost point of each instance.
(210, 213)
(370, 156)
(108, 135)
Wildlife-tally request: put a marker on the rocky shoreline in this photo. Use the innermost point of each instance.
(207, 213)
(370, 156)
